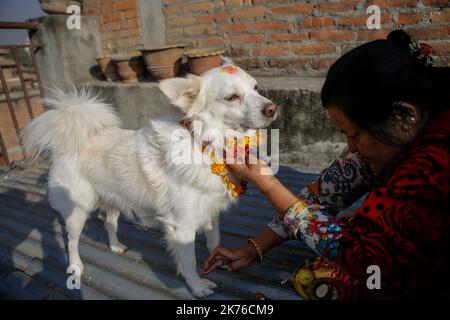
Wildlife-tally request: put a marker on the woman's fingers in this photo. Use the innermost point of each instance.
(219, 262)
(221, 256)
(221, 252)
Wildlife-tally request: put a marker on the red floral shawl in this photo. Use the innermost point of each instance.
(404, 225)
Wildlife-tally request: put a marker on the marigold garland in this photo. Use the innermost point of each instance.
(220, 168)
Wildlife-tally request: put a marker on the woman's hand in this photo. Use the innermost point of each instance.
(233, 258)
(256, 171)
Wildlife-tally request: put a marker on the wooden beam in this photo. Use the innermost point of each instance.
(18, 25)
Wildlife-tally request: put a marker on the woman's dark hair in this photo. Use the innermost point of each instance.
(366, 82)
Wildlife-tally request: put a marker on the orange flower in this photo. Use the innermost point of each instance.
(218, 168)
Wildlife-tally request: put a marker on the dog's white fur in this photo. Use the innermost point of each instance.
(95, 163)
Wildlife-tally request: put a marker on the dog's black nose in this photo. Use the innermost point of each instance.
(270, 110)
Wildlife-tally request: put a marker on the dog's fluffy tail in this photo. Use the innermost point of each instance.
(65, 128)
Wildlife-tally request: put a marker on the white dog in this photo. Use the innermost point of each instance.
(96, 164)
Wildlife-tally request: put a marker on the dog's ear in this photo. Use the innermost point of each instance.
(182, 92)
(224, 61)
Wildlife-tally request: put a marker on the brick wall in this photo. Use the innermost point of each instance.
(300, 37)
(118, 21)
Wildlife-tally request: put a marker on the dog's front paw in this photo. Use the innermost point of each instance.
(203, 288)
(118, 248)
(76, 268)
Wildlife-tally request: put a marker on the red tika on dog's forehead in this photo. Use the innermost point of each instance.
(230, 69)
(234, 70)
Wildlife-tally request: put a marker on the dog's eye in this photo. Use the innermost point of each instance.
(232, 98)
(255, 87)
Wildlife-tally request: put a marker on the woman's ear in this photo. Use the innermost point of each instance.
(406, 116)
(182, 92)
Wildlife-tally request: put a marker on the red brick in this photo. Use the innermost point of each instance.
(339, 6)
(435, 2)
(279, 63)
(288, 36)
(361, 20)
(174, 32)
(128, 24)
(90, 12)
(172, 10)
(173, 1)
(104, 28)
(292, 9)
(211, 41)
(196, 7)
(249, 64)
(110, 26)
(331, 35)
(234, 27)
(112, 17)
(440, 16)
(89, 4)
(216, 16)
(104, 10)
(318, 22)
(270, 51)
(125, 5)
(294, 63)
(270, 25)
(430, 32)
(233, 2)
(133, 32)
(251, 12)
(395, 3)
(316, 48)
(265, 2)
(238, 52)
(368, 35)
(197, 30)
(127, 14)
(322, 63)
(409, 18)
(102, 3)
(180, 21)
(247, 38)
(441, 48)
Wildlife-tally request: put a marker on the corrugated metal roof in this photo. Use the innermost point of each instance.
(33, 259)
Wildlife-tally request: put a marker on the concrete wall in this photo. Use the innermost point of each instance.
(152, 22)
(136, 103)
(65, 57)
(308, 139)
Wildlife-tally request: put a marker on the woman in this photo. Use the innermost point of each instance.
(393, 107)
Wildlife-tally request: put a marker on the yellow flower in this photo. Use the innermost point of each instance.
(217, 168)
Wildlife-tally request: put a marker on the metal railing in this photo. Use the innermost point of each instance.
(12, 49)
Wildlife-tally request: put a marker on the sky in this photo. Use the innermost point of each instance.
(17, 11)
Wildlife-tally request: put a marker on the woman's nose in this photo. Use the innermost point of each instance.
(270, 110)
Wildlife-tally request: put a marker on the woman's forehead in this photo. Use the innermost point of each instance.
(340, 119)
